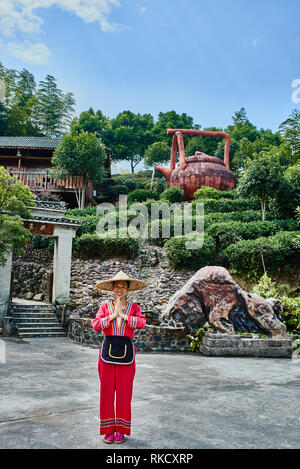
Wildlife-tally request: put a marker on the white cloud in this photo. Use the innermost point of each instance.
(254, 42)
(142, 10)
(36, 54)
(21, 15)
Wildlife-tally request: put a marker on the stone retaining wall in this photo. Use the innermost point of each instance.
(150, 339)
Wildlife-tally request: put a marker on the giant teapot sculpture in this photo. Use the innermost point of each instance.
(200, 169)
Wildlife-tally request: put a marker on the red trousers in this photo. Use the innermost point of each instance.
(115, 379)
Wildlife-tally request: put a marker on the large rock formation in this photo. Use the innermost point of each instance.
(211, 295)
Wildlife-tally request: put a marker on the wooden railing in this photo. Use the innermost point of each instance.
(41, 181)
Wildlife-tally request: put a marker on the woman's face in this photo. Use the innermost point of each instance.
(120, 289)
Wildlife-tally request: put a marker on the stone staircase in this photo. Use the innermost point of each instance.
(35, 321)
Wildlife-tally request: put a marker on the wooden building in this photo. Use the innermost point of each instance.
(29, 159)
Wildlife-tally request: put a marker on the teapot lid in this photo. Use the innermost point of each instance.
(201, 157)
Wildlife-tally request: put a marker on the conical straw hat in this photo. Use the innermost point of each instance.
(134, 283)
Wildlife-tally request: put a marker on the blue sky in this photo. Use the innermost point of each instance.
(205, 58)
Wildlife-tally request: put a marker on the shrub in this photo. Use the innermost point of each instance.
(245, 256)
(91, 245)
(80, 212)
(290, 315)
(118, 189)
(140, 195)
(172, 194)
(159, 184)
(39, 242)
(180, 257)
(88, 225)
(130, 184)
(207, 192)
(230, 194)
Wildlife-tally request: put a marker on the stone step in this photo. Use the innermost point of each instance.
(37, 324)
(30, 308)
(36, 321)
(42, 320)
(33, 313)
(42, 334)
(32, 305)
(57, 328)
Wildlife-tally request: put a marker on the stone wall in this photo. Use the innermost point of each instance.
(31, 274)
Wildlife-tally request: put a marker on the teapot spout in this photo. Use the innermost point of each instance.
(164, 171)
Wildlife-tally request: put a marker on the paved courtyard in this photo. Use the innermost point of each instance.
(49, 398)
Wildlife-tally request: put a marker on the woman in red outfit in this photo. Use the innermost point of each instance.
(117, 319)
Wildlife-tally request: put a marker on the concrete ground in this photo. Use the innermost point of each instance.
(49, 398)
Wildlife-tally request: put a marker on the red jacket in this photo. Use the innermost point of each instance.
(136, 320)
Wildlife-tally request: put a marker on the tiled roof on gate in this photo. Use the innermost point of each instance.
(29, 142)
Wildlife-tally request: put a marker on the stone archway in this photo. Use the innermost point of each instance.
(47, 220)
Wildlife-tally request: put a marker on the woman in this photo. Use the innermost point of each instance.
(117, 319)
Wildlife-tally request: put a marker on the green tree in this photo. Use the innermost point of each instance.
(171, 120)
(52, 111)
(206, 145)
(19, 98)
(262, 178)
(246, 140)
(14, 200)
(157, 153)
(93, 122)
(290, 131)
(131, 135)
(79, 156)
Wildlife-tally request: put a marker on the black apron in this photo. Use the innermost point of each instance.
(117, 350)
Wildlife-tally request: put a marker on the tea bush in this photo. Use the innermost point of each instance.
(172, 194)
(180, 257)
(91, 245)
(228, 205)
(245, 256)
(227, 233)
(207, 192)
(141, 195)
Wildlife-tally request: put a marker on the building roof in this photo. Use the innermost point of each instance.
(29, 142)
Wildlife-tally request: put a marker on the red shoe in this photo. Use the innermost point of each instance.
(109, 438)
(119, 438)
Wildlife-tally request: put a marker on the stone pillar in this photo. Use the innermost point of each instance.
(5, 277)
(62, 263)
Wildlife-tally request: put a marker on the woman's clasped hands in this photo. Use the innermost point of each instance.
(118, 310)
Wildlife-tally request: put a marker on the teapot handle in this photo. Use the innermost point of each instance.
(178, 140)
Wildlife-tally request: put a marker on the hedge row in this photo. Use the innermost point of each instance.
(243, 256)
(224, 233)
(228, 233)
(227, 205)
(91, 245)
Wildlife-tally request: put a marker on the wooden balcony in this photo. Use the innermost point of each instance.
(42, 182)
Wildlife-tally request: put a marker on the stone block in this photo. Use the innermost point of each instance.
(29, 295)
(215, 345)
